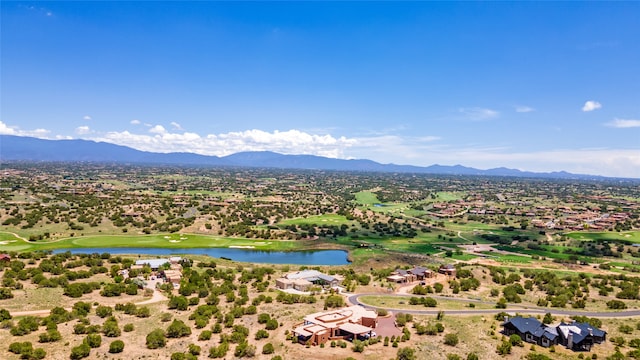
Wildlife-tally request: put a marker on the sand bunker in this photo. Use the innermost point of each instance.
(242, 246)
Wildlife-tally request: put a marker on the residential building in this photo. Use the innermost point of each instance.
(303, 280)
(154, 264)
(344, 324)
(575, 336)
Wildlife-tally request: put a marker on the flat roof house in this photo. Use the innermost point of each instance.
(154, 264)
(303, 280)
(346, 323)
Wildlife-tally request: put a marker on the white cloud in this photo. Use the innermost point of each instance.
(176, 126)
(624, 123)
(477, 113)
(158, 129)
(135, 122)
(14, 130)
(82, 130)
(86, 117)
(591, 105)
(285, 142)
(6, 130)
(524, 109)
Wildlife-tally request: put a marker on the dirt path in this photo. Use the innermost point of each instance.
(157, 297)
(16, 235)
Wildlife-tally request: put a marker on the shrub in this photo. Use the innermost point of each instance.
(5, 315)
(334, 301)
(81, 351)
(156, 339)
(219, 351)
(93, 340)
(405, 354)
(516, 340)
(451, 339)
(194, 349)
(49, 336)
(116, 346)
(244, 349)
(110, 327)
(128, 327)
(103, 311)
(178, 329)
(504, 348)
(262, 334)
(263, 318)
(205, 335)
(268, 349)
(358, 346)
(272, 324)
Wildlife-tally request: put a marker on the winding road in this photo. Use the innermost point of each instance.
(354, 299)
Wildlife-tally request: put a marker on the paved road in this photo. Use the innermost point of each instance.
(511, 308)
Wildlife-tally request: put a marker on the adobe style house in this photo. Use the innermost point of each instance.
(347, 323)
(405, 276)
(449, 270)
(575, 336)
(5, 257)
(303, 280)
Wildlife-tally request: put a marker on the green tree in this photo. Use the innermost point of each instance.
(406, 354)
(81, 351)
(116, 346)
(451, 339)
(93, 340)
(268, 349)
(156, 339)
(178, 329)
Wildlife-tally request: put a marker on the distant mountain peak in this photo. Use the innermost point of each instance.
(19, 148)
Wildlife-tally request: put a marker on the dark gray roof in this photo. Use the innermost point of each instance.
(525, 325)
(418, 270)
(580, 331)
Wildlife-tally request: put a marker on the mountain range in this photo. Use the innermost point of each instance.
(21, 148)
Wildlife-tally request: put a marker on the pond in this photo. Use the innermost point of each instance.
(310, 257)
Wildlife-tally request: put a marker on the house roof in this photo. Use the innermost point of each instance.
(525, 325)
(303, 274)
(326, 278)
(580, 331)
(419, 270)
(355, 329)
(395, 277)
(153, 263)
(300, 330)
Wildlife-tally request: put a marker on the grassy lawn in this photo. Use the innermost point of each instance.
(326, 219)
(449, 196)
(366, 198)
(155, 241)
(463, 257)
(627, 236)
(402, 303)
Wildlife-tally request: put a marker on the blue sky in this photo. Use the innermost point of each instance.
(540, 86)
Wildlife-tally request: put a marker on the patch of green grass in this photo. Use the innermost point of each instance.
(624, 236)
(156, 241)
(402, 303)
(326, 219)
(512, 258)
(463, 257)
(449, 196)
(366, 198)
